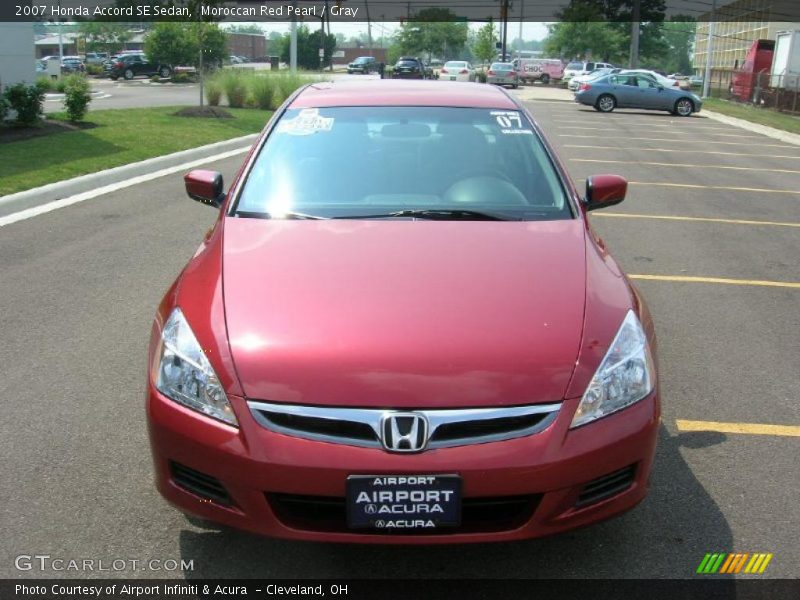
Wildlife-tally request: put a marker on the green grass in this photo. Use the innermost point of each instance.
(120, 137)
(762, 116)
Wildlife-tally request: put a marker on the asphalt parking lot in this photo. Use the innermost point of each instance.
(710, 232)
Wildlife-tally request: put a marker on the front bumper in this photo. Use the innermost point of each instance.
(544, 474)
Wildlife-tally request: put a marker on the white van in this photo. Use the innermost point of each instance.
(579, 67)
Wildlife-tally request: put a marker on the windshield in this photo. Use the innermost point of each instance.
(502, 67)
(358, 161)
(362, 59)
(455, 65)
(575, 66)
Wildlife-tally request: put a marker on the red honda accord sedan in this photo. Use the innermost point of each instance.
(403, 329)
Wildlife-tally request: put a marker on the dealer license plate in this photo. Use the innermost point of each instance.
(403, 502)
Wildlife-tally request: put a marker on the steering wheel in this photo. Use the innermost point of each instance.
(482, 172)
(485, 185)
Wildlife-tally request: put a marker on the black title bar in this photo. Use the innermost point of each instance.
(390, 10)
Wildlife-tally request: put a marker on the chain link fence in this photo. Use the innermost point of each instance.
(774, 92)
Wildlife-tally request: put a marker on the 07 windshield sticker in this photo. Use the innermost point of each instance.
(510, 123)
(307, 122)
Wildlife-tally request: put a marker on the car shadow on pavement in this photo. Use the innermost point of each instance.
(666, 536)
(640, 113)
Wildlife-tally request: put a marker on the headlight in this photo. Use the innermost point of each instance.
(186, 376)
(624, 376)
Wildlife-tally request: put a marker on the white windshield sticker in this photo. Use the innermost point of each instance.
(510, 123)
(307, 122)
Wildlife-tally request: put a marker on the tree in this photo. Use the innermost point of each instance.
(484, 48)
(679, 34)
(432, 31)
(603, 30)
(104, 36)
(249, 28)
(309, 43)
(180, 43)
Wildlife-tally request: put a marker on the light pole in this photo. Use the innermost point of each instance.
(709, 49)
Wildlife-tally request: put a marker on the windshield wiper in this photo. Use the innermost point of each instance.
(441, 214)
(284, 215)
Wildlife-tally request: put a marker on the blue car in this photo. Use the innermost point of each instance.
(621, 90)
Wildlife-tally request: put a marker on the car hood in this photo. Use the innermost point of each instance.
(404, 313)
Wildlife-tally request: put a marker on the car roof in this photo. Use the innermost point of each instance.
(393, 92)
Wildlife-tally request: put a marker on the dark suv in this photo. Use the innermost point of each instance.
(363, 64)
(408, 67)
(135, 65)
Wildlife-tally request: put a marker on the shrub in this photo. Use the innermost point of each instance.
(181, 78)
(3, 110)
(286, 85)
(45, 83)
(262, 91)
(26, 101)
(77, 95)
(480, 76)
(213, 91)
(155, 78)
(94, 69)
(59, 85)
(233, 82)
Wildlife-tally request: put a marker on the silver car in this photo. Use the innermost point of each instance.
(634, 90)
(502, 73)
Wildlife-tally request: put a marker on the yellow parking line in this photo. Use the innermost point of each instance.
(714, 187)
(682, 151)
(700, 219)
(744, 428)
(685, 166)
(721, 280)
(648, 139)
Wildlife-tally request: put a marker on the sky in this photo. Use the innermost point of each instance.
(530, 31)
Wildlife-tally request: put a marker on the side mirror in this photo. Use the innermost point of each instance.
(205, 187)
(604, 190)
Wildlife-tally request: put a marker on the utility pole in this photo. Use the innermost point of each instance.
(505, 26)
(709, 50)
(60, 37)
(369, 28)
(328, 18)
(521, 10)
(293, 45)
(635, 27)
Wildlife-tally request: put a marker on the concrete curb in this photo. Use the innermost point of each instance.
(70, 187)
(784, 136)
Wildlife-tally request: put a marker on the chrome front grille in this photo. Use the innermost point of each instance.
(446, 428)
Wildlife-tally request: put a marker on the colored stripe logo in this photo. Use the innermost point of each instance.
(731, 563)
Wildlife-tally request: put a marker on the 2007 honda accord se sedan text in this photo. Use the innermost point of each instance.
(403, 329)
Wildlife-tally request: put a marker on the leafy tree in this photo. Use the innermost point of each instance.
(433, 31)
(179, 43)
(483, 48)
(245, 28)
(679, 34)
(602, 30)
(104, 36)
(309, 43)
